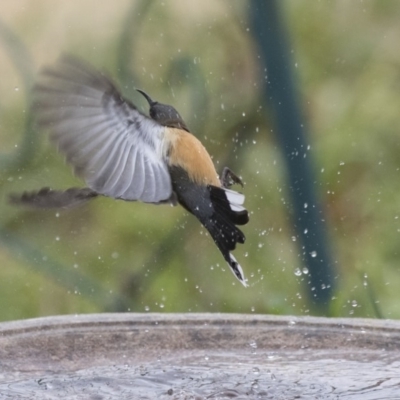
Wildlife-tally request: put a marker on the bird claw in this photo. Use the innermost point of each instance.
(228, 178)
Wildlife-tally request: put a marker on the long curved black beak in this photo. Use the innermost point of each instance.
(147, 97)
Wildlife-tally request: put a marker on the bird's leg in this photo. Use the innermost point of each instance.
(228, 178)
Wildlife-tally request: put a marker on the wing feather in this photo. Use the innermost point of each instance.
(117, 174)
(150, 189)
(112, 159)
(117, 150)
(125, 180)
(136, 190)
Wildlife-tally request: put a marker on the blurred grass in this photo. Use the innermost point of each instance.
(200, 57)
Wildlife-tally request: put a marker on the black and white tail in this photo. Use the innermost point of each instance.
(228, 211)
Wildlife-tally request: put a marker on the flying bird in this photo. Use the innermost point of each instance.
(124, 154)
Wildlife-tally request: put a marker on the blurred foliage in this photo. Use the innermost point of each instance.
(200, 57)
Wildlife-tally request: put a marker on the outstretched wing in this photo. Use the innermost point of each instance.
(116, 149)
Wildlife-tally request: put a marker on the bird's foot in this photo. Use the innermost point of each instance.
(228, 178)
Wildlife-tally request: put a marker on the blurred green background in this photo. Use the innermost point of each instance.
(201, 57)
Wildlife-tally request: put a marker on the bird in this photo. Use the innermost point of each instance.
(124, 154)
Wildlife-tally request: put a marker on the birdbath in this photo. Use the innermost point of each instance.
(199, 356)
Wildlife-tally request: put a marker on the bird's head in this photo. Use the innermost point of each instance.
(164, 114)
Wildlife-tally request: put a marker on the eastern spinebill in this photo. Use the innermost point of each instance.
(124, 154)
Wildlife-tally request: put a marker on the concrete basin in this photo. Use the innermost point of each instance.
(199, 356)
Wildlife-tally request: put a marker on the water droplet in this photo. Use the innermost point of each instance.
(297, 272)
(313, 254)
(253, 344)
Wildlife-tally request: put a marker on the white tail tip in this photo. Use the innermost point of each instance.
(237, 270)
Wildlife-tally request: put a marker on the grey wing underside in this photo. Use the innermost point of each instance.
(116, 149)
